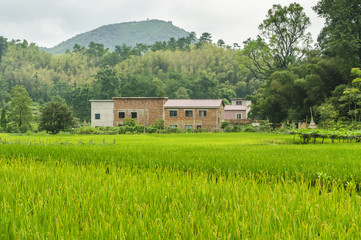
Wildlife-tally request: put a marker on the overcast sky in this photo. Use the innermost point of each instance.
(47, 22)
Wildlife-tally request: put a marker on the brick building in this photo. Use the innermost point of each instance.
(145, 110)
(193, 113)
(180, 113)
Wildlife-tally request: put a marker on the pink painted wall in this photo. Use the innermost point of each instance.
(232, 114)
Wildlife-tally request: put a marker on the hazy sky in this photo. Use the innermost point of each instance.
(47, 22)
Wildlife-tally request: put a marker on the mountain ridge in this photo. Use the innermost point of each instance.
(129, 33)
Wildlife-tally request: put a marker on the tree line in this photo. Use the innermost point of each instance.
(280, 70)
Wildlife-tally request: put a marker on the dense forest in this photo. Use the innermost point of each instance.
(280, 71)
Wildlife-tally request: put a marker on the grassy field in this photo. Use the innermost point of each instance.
(180, 186)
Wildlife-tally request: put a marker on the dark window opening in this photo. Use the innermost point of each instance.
(121, 114)
(202, 113)
(189, 113)
(97, 116)
(134, 114)
(173, 113)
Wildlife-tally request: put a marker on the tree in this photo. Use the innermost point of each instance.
(341, 35)
(283, 41)
(3, 46)
(56, 116)
(3, 120)
(109, 81)
(182, 93)
(20, 106)
(4, 89)
(220, 43)
(352, 96)
(204, 39)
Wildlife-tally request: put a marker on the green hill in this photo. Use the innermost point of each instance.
(130, 33)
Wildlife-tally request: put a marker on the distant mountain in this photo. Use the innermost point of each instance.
(129, 33)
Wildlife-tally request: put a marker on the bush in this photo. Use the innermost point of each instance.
(158, 124)
(236, 128)
(130, 122)
(249, 128)
(228, 128)
(24, 128)
(12, 127)
(87, 130)
(224, 124)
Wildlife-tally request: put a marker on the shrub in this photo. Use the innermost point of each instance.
(228, 128)
(87, 130)
(249, 128)
(12, 127)
(129, 122)
(236, 128)
(224, 124)
(158, 124)
(24, 128)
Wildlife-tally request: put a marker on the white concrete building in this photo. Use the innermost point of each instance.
(242, 102)
(102, 113)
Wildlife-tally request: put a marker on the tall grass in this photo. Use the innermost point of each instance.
(220, 186)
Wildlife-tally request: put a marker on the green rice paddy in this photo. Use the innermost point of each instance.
(178, 186)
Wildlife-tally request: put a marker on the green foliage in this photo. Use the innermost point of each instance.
(249, 128)
(286, 30)
(108, 82)
(12, 127)
(158, 124)
(3, 119)
(55, 117)
(24, 128)
(130, 33)
(20, 106)
(283, 41)
(3, 46)
(341, 33)
(224, 124)
(130, 122)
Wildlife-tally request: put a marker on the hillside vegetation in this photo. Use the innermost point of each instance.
(279, 71)
(176, 69)
(129, 33)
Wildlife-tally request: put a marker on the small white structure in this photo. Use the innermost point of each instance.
(102, 113)
(242, 102)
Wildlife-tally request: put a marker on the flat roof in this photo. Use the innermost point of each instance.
(193, 103)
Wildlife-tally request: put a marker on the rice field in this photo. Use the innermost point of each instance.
(180, 186)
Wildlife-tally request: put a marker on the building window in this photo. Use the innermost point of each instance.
(238, 115)
(173, 113)
(199, 127)
(203, 113)
(134, 114)
(239, 102)
(121, 114)
(97, 116)
(188, 127)
(189, 113)
(172, 126)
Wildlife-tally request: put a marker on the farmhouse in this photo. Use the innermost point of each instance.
(237, 112)
(145, 110)
(194, 113)
(180, 113)
(102, 113)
